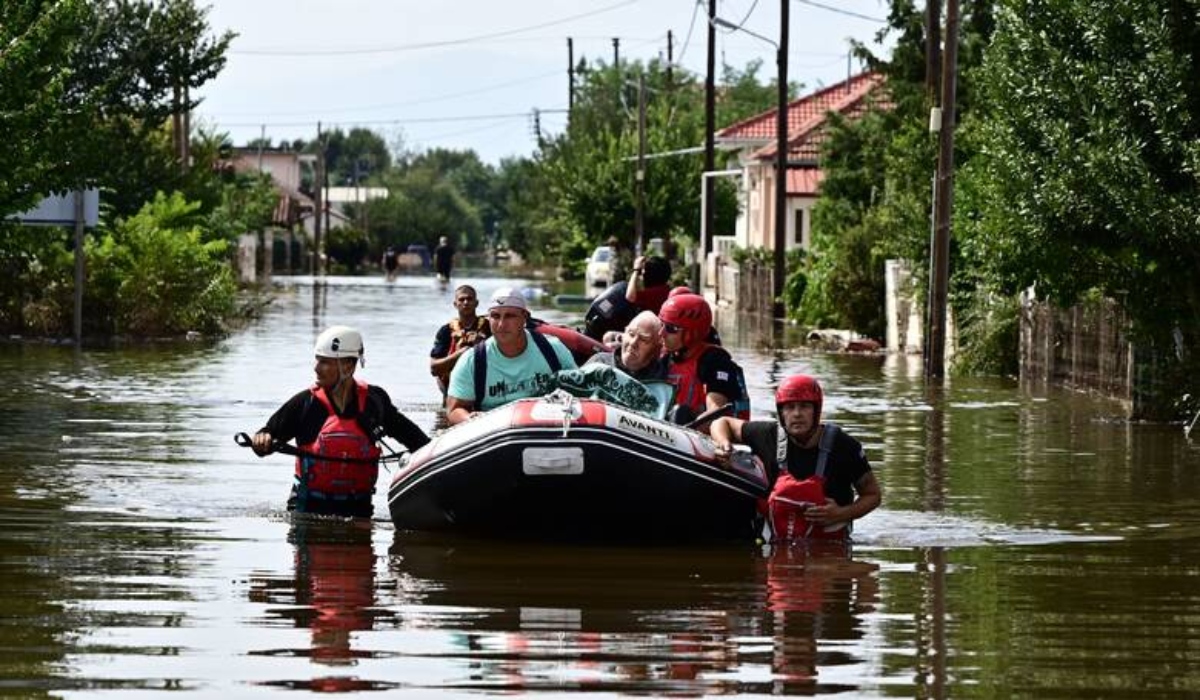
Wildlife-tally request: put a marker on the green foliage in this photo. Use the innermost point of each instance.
(153, 275)
(36, 289)
(1091, 130)
(796, 283)
(347, 248)
(592, 167)
(84, 86)
(876, 196)
(354, 157)
(421, 206)
(989, 327)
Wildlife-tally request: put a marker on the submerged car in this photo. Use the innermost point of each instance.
(599, 272)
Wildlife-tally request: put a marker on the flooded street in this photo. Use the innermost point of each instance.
(1029, 544)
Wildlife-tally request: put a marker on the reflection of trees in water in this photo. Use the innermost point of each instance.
(692, 620)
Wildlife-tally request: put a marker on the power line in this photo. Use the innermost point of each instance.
(429, 44)
(840, 11)
(393, 105)
(688, 39)
(394, 121)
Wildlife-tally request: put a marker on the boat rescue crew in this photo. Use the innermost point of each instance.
(337, 424)
(816, 468)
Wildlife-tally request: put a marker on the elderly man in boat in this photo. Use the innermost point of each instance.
(639, 353)
(515, 363)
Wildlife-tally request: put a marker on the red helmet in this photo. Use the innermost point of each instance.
(676, 291)
(690, 312)
(801, 387)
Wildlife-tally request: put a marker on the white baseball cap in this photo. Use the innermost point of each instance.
(510, 297)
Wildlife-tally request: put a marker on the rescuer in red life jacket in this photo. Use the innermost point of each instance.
(792, 450)
(337, 422)
(705, 376)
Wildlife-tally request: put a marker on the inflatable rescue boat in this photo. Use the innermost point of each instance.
(563, 467)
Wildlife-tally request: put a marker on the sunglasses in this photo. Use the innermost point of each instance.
(671, 328)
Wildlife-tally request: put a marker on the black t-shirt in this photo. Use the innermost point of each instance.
(303, 415)
(719, 373)
(443, 256)
(845, 466)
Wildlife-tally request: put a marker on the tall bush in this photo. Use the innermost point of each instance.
(151, 278)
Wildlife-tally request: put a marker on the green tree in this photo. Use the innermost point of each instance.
(876, 197)
(85, 86)
(592, 167)
(1092, 137)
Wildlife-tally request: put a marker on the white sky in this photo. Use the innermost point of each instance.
(360, 62)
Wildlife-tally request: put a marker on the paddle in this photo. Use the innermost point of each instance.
(710, 415)
(244, 440)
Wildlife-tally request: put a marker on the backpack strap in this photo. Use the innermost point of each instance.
(547, 351)
(480, 351)
(825, 447)
(481, 363)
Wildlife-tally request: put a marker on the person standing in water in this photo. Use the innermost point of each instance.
(337, 424)
(443, 259)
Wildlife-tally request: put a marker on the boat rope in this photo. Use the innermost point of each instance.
(1187, 433)
(565, 401)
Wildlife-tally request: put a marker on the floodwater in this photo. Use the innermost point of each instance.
(1031, 544)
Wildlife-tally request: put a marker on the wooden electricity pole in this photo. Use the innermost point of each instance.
(939, 270)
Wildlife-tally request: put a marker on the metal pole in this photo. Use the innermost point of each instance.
(708, 207)
(77, 321)
(318, 202)
(781, 147)
(570, 78)
(940, 264)
(639, 222)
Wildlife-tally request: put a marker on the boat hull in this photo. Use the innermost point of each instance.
(604, 473)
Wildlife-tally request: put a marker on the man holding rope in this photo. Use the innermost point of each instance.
(337, 424)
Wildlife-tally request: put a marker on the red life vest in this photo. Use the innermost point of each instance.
(691, 392)
(339, 437)
(790, 497)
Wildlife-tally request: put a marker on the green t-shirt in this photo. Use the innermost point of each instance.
(508, 378)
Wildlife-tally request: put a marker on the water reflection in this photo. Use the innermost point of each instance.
(694, 621)
(332, 594)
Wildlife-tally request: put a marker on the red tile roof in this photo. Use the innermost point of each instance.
(805, 116)
(804, 181)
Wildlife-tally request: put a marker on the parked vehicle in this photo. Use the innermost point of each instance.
(599, 272)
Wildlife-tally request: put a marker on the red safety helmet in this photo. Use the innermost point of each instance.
(691, 313)
(801, 387)
(676, 291)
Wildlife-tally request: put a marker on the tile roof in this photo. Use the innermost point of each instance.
(805, 116)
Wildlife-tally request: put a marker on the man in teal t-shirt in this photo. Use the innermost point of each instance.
(517, 363)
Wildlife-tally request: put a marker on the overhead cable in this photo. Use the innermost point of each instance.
(426, 45)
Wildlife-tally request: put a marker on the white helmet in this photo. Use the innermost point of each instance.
(338, 342)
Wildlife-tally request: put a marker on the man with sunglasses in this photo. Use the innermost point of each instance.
(705, 376)
(640, 351)
(457, 336)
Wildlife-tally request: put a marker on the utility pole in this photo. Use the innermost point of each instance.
(639, 221)
(319, 203)
(570, 78)
(616, 52)
(781, 156)
(933, 27)
(939, 272)
(710, 128)
(537, 126)
(670, 57)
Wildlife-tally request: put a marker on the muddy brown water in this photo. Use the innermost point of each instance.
(1031, 543)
